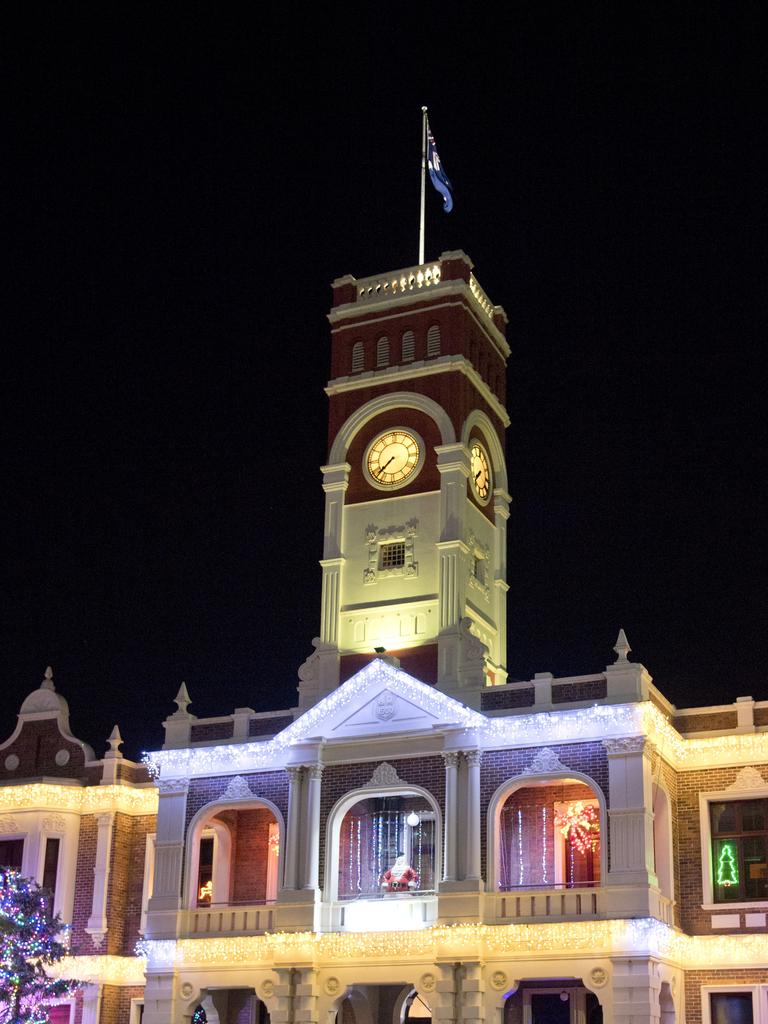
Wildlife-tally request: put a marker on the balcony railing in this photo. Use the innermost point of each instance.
(546, 905)
(392, 911)
(229, 919)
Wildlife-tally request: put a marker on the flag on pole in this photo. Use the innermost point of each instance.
(437, 175)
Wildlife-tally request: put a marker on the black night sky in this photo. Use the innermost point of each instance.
(183, 188)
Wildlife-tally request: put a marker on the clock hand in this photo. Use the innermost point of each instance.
(477, 474)
(382, 468)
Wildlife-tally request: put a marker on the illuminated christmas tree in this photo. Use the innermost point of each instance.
(28, 944)
(727, 872)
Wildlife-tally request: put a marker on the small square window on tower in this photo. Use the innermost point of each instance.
(392, 556)
(479, 569)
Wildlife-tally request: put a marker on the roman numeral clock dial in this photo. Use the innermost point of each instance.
(393, 459)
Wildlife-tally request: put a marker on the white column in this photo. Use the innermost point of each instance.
(630, 814)
(331, 600)
(335, 484)
(314, 777)
(91, 1004)
(472, 824)
(97, 922)
(472, 1000)
(305, 995)
(501, 502)
(451, 813)
(169, 859)
(636, 987)
(292, 838)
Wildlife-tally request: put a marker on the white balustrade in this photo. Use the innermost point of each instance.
(399, 282)
(228, 920)
(546, 905)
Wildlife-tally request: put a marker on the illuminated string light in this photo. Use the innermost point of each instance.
(520, 845)
(642, 936)
(82, 799)
(727, 869)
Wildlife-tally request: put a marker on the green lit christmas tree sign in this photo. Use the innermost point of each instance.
(727, 871)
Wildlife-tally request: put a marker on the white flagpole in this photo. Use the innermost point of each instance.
(423, 181)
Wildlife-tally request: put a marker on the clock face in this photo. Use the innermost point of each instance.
(481, 472)
(393, 458)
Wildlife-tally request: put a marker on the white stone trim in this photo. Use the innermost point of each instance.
(384, 403)
(759, 1007)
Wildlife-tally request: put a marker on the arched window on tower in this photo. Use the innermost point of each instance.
(433, 341)
(358, 357)
(382, 352)
(409, 346)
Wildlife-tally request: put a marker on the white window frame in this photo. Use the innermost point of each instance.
(759, 1000)
(707, 868)
(133, 1015)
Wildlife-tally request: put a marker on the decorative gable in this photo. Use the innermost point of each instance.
(380, 699)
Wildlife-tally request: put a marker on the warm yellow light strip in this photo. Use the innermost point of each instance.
(85, 799)
(470, 942)
(703, 751)
(101, 970)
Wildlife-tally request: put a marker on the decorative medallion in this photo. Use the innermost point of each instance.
(62, 757)
(385, 706)
(187, 989)
(545, 762)
(499, 980)
(332, 986)
(385, 775)
(238, 789)
(11, 763)
(748, 778)
(267, 989)
(427, 982)
(598, 976)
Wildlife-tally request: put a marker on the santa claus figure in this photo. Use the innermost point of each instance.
(400, 877)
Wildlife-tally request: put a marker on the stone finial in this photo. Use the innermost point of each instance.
(182, 700)
(115, 741)
(47, 683)
(622, 648)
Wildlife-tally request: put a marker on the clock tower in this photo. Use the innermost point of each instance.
(416, 502)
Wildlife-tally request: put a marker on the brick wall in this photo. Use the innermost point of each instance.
(693, 919)
(126, 881)
(499, 766)
(269, 726)
(593, 689)
(80, 942)
(705, 723)
(36, 747)
(695, 979)
(250, 838)
(427, 772)
(498, 699)
(134, 773)
(212, 731)
(116, 1003)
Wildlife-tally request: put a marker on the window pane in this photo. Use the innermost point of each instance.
(731, 1007)
(726, 869)
(753, 815)
(11, 851)
(725, 817)
(755, 867)
(51, 864)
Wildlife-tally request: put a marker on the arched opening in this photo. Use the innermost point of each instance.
(552, 1001)
(387, 845)
(382, 352)
(549, 836)
(408, 343)
(433, 341)
(415, 1008)
(358, 357)
(662, 842)
(666, 1004)
(233, 856)
(384, 859)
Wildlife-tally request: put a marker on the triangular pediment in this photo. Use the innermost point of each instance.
(380, 699)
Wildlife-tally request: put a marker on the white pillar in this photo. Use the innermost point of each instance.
(451, 813)
(472, 999)
(472, 823)
(97, 922)
(165, 903)
(636, 986)
(292, 839)
(314, 777)
(630, 814)
(501, 501)
(91, 1004)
